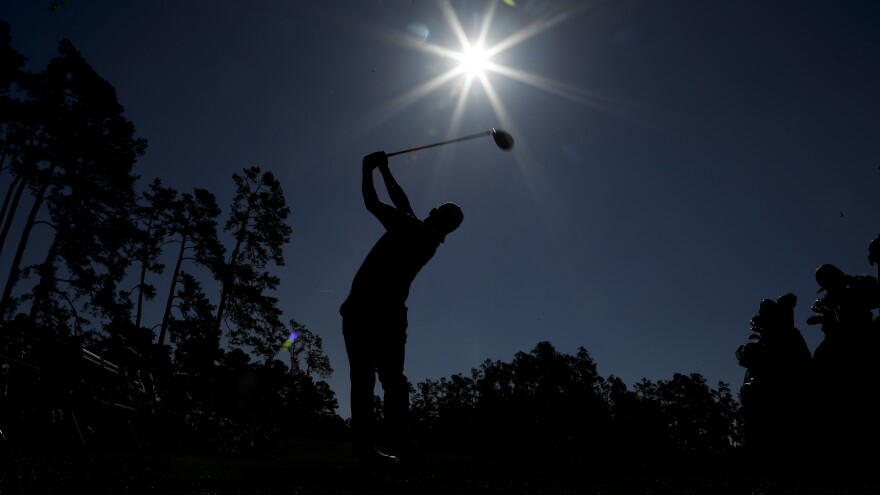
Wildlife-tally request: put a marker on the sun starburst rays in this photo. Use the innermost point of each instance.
(473, 63)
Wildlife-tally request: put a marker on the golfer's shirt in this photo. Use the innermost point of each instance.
(385, 277)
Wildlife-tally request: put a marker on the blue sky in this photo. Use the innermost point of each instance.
(675, 162)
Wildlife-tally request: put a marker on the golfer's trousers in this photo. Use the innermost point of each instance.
(375, 344)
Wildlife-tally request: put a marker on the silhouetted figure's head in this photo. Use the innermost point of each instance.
(445, 218)
(831, 278)
(775, 315)
(787, 300)
(785, 304)
(766, 316)
(750, 355)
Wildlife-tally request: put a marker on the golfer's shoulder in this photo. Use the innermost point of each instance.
(405, 220)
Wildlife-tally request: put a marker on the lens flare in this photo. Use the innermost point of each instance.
(289, 342)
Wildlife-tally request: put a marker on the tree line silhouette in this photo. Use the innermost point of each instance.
(84, 365)
(92, 250)
(546, 406)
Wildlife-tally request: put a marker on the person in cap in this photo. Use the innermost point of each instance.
(374, 315)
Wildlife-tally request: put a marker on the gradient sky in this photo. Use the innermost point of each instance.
(675, 162)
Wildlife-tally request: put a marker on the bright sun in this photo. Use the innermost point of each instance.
(474, 60)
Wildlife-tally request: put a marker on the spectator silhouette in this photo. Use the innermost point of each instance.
(844, 368)
(374, 315)
(844, 313)
(774, 391)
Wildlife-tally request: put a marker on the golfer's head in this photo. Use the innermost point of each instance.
(445, 218)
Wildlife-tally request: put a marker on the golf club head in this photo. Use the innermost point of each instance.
(502, 139)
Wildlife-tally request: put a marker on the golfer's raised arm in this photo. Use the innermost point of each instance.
(395, 192)
(371, 198)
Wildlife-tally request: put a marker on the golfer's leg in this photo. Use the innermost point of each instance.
(363, 381)
(395, 385)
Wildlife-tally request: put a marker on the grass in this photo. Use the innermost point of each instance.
(306, 467)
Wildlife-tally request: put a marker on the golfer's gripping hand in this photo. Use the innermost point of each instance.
(373, 160)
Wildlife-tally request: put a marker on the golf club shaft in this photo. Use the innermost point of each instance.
(472, 136)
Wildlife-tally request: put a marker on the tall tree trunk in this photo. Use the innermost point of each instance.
(12, 280)
(170, 303)
(229, 275)
(228, 280)
(46, 282)
(7, 218)
(140, 298)
(8, 196)
(5, 150)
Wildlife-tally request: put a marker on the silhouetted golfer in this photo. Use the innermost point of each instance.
(374, 318)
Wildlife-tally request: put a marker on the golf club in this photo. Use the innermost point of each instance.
(502, 139)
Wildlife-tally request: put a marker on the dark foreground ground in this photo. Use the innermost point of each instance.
(329, 468)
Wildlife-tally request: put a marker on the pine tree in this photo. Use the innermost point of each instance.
(193, 227)
(79, 159)
(257, 224)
